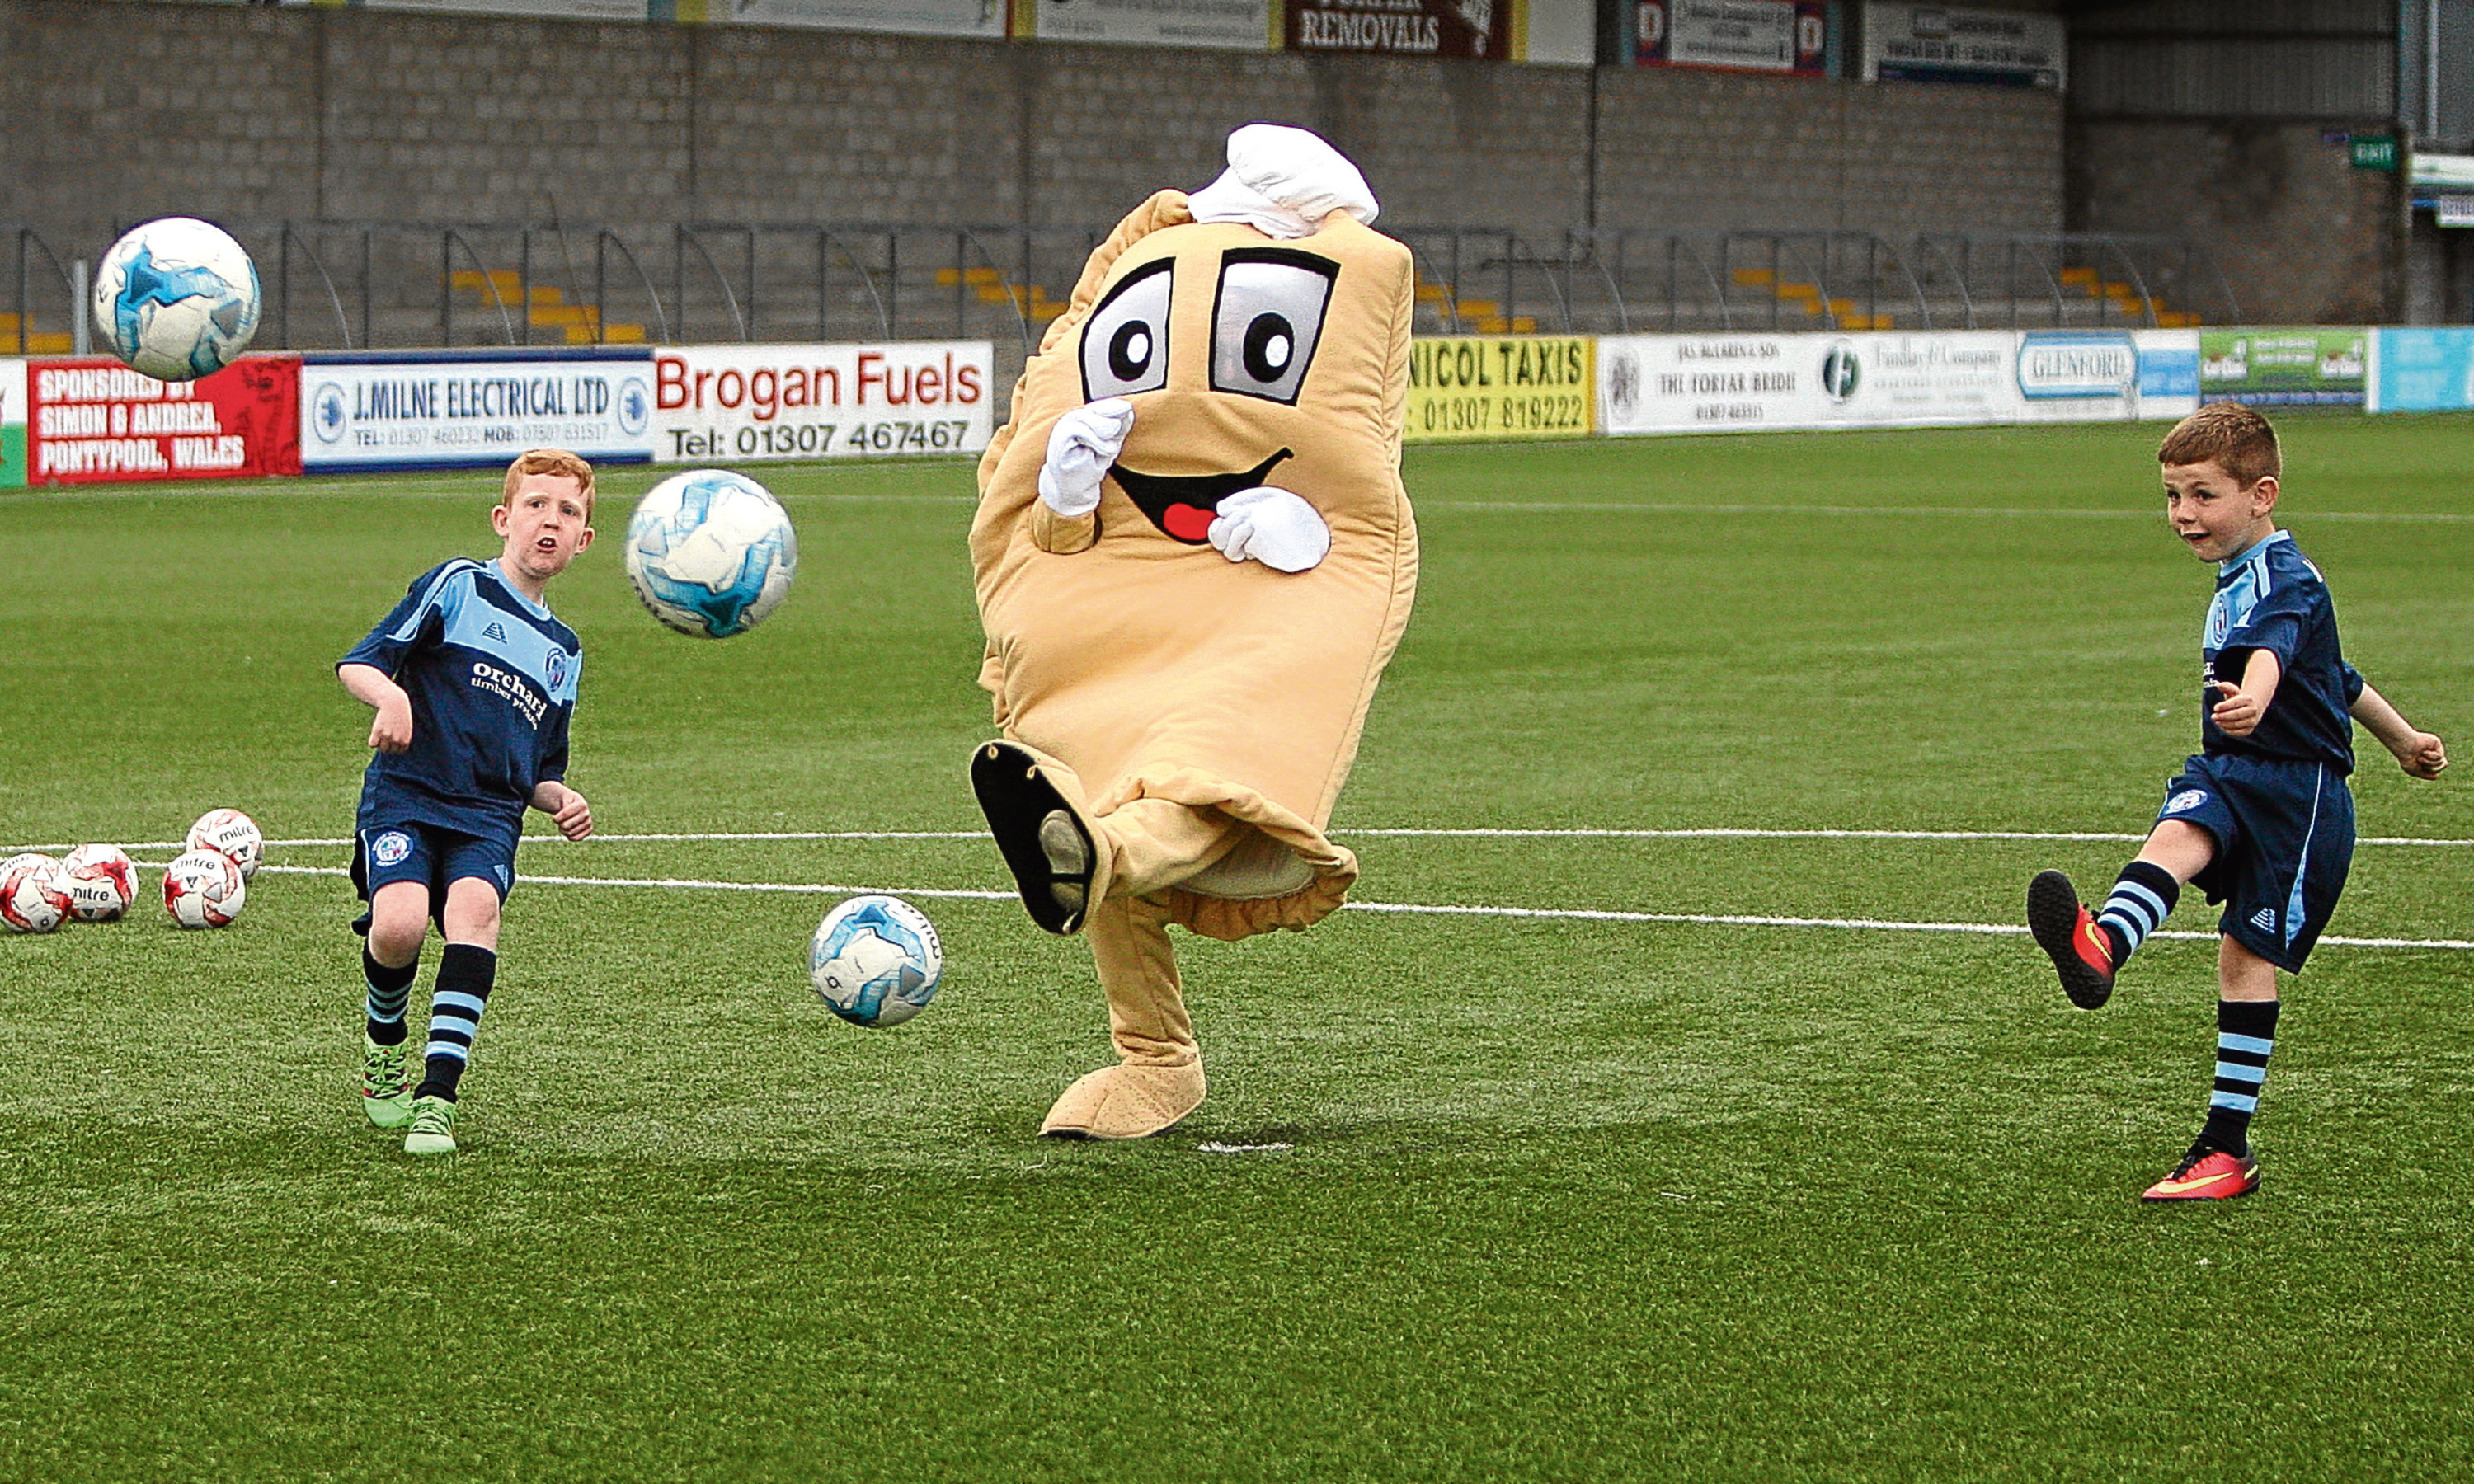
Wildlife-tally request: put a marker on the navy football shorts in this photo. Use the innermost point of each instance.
(387, 853)
(2284, 840)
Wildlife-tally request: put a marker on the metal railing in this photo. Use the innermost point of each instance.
(425, 285)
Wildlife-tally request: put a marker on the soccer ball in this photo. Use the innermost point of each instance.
(711, 552)
(100, 881)
(32, 899)
(229, 832)
(177, 298)
(876, 960)
(204, 889)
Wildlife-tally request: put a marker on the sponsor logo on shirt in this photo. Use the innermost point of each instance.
(511, 687)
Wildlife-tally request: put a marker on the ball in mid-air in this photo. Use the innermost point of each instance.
(711, 552)
(232, 833)
(177, 298)
(876, 960)
(204, 889)
(31, 898)
(101, 880)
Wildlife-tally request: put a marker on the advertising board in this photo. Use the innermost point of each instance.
(12, 424)
(1477, 28)
(1225, 25)
(2291, 365)
(2423, 371)
(469, 409)
(1747, 383)
(1942, 43)
(2108, 375)
(1475, 387)
(93, 420)
(740, 403)
(1747, 36)
(912, 17)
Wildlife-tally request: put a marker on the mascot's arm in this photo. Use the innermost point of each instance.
(1050, 531)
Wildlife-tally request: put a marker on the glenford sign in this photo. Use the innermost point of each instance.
(2066, 365)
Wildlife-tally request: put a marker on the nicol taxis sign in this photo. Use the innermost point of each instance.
(1474, 388)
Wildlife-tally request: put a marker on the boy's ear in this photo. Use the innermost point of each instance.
(499, 520)
(583, 540)
(2263, 493)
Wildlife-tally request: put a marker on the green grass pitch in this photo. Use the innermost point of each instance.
(1557, 1199)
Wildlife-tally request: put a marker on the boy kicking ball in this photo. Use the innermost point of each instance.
(474, 684)
(2262, 820)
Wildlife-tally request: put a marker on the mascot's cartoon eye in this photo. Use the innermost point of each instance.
(1125, 346)
(1267, 320)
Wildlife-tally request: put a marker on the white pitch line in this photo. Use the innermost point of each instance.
(1418, 909)
(1941, 511)
(2063, 836)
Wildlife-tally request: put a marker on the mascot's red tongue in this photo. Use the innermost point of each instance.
(1187, 522)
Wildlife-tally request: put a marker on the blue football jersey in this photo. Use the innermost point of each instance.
(492, 676)
(2270, 597)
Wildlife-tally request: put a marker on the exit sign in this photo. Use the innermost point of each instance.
(2375, 151)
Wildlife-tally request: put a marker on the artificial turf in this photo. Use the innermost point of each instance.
(1529, 1198)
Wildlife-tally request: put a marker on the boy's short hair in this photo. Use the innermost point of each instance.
(550, 461)
(2234, 437)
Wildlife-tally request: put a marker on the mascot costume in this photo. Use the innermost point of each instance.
(1193, 558)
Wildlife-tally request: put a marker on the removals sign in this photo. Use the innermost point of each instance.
(749, 402)
(96, 421)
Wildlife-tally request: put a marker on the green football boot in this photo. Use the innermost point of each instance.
(386, 1083)
(433, 1126)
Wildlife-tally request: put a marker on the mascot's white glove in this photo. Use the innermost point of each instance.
(1271, 526)
(1080, 447)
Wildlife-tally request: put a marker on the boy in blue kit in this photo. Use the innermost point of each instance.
(2262, 820)
(473, 681)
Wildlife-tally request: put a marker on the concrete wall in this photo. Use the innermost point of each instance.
(262, 113)
(2301, 235)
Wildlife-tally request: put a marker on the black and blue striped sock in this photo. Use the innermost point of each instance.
(2142, 898)
(465, 973)
(2245, 1033)
(383, 1005)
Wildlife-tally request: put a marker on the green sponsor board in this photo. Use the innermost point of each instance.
(13, 455)
(2309, 366)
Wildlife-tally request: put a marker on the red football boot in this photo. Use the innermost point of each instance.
(2207, 1175)
(2081, 951)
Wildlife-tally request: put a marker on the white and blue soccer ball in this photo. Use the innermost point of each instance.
(876, 960)
(177, 298)
(710, 553)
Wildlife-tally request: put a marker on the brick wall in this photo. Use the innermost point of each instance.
(251, 113)
(2302, 237)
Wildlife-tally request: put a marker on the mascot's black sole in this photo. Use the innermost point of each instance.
(1021, 806)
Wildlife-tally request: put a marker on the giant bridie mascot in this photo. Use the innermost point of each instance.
(1193, 558)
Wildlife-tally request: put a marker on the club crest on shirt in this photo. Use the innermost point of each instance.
(555, 667)
(391, 848)
(2185, 801)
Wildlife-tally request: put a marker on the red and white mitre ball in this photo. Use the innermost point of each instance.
(204, 889)
(232, 833)
(31, 898)
(101, 880)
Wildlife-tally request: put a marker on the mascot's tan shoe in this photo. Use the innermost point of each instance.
(1131, 1101)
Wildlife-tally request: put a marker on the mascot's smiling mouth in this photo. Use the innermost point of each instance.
(1185, 506)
